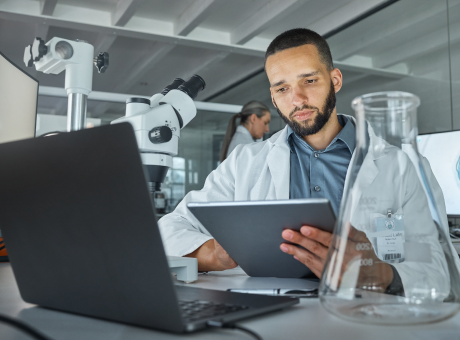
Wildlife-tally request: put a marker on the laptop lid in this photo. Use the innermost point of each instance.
(83, 195)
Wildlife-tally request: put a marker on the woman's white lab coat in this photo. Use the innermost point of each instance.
(241, 136)
(261, 171)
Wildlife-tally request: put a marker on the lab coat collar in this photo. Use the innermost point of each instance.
(242, 129)
(368, 170)
(278, 161)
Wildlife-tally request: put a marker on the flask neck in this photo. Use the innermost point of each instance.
(391, 119)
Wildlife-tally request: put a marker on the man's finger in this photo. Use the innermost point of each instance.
(321, 236)
(311, 245)
(313, 262)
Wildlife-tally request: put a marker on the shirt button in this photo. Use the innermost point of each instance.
(316, 155)
(317, 188)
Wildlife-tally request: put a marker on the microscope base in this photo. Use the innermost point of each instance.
(186, 268)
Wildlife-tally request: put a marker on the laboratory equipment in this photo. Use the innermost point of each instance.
(185, 268)
(390, 259)
(18, 102)
(443, 152)
(157, 123)
(76, 58)
(160, 202)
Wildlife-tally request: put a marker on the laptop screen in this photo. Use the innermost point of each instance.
(18, 102)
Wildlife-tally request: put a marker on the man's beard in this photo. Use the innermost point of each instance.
(301, 128)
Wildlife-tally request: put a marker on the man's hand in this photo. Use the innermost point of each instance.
(211, 256)
(316, 244)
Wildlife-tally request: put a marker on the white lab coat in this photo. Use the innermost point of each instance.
(261, 171)
(241, 136)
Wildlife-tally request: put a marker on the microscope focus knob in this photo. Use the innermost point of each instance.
(28, 56)
(101, 61)
(39, 49)
(160, 134)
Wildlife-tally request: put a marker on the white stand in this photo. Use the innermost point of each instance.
(186, 268)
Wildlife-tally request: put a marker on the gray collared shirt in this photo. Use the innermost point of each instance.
(321, 173)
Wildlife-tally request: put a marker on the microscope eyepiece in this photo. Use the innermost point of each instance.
(173, 86)
(194, 85)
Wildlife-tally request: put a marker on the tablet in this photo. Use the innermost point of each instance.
(250, 231)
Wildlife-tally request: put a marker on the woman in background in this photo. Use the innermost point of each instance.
(254, 120)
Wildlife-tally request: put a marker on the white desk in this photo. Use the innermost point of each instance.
(308, 320)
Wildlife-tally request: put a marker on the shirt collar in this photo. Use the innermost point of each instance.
(346, 135)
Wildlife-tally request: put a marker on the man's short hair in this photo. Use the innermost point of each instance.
(298, 37)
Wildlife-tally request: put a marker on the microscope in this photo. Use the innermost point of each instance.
(157, 123)
(76, 58)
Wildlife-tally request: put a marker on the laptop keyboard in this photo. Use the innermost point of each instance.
(198, 309)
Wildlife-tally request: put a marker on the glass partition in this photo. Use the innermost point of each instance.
(454, 40)
(199, 148)
(403, 47)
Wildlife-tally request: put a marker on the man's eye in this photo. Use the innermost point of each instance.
(283, 89)
(310, 81)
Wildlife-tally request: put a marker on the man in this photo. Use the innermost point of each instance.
(309, 158)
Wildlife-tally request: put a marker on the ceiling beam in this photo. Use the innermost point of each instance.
(104, 42)
(235, 77)
(124, 11)
(194, 15)
(343, 15)
(121, 98)
(151, 57)
(77, 24)
(370, 71)
(416, 48)
(375, 35)
(47, 7)
(262, 18)
(205, 62)
(41, 31)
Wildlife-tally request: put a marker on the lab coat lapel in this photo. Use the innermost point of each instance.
(367, 172)
(278, 161)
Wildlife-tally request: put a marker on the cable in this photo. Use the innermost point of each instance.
(217, 324)
(23, 327)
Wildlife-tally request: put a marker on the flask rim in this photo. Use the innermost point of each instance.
(379, 101)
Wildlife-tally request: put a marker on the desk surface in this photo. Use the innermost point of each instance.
(308, 320)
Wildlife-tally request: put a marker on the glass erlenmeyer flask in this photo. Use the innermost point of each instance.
(391, 260)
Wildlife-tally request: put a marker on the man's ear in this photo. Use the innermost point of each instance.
(273, 100)
(337, 79)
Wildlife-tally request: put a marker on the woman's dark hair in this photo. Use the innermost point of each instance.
(253, 107)
(298, 37)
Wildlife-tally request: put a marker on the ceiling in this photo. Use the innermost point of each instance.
(151, 42)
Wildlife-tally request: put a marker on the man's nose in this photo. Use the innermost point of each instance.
(299, 98)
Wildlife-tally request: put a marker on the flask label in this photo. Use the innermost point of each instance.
(389, 234)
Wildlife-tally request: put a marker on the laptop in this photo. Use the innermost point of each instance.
(80, 228)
